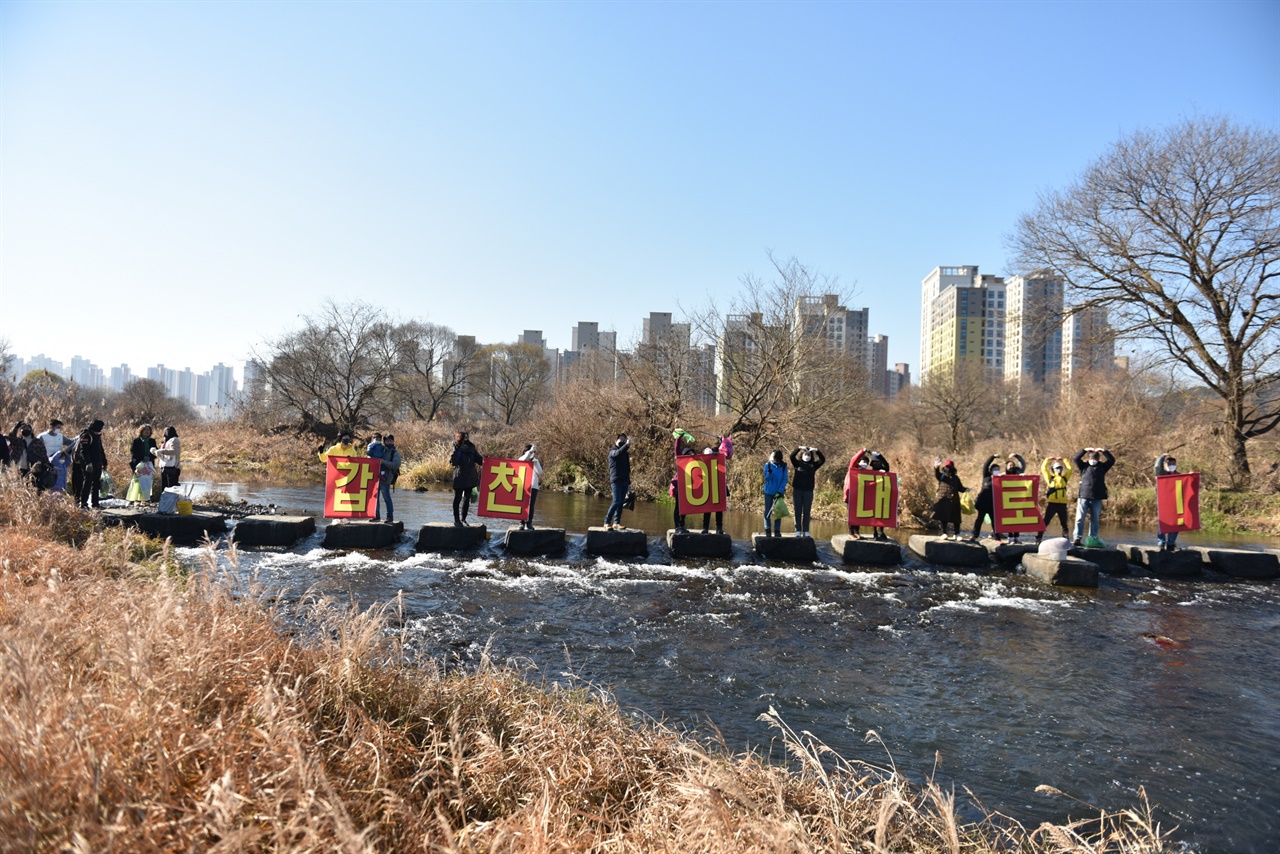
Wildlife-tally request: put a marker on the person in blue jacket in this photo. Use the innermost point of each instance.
(775, 485)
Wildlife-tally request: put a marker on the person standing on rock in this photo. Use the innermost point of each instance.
(1166, 464)
(985, 502)
(391, 462)
(169, 455)
(1056, 473)
(673, 489)
(466, 462)
(1093, 465)
(946, 500)
(619, 479)
(805, 461)
(374, 451)
(530, 455)
(342, 448)
(864, 460)
(775, 486)
(726, 451)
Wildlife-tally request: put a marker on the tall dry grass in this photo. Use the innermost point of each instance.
(144, 710)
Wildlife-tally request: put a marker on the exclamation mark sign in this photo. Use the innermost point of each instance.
(1180, 500)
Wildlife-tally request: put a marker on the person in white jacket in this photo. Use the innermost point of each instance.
(169, 458)
(530, 455)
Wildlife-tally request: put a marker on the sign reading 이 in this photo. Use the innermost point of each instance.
(1016, 500)
(700, 485)
(873, 498)
(351, 487)
(504, 488)
(1178, 502)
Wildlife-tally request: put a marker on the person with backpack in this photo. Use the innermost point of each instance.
(775, 486)
(91, 457)
(466, 462)
(1056, 473)
(1093, 465)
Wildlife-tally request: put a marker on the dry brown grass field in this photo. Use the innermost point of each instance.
(150, 707)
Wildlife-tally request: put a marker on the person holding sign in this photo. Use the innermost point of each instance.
(1013, 464)
(806, 462)
(864, 460)
(880, 503)
(1177, 502)
(726, 451)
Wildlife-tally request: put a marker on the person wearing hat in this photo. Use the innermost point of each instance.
(91, 458)
(946, 503)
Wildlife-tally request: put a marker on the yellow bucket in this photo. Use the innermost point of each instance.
(184, 507)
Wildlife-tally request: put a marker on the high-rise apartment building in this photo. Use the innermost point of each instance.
(1088, 343)
(878, 365)
(1033, 331)
(898, 379)
(844, 329)
(961, 321)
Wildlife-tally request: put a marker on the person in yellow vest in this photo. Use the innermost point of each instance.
(1056, 472)
(344, 448)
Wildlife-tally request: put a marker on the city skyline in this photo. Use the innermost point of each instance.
(465, 163)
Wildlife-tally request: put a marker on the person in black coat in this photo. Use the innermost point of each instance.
(466, 462)
(985, 502)
(805, 463)
(91, 459)
(946, 504)
(1093, 465)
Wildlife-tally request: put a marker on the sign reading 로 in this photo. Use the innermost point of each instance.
(1178, 502)
(1016, 501)
(351, 487)
(872, 497)
(701, 486)
(504, 488)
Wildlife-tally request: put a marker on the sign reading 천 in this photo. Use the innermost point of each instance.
(1178, 502)
(701, 486)
(1016, 499)
(873, 498)
(351, 487)
(504, 488)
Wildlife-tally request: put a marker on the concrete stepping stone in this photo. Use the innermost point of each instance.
(1240, 563)
(942, 552)
(857, 552)
(448, 537)
(698, 544)
(1060, 571)
(786, 549)
(624, 542)
(185, 530)
(362, 534)
(273, 530)
(1008, 554)
(536, 541)
(1179, 564)
(1109, 561)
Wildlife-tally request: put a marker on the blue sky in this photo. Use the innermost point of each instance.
(181, 181)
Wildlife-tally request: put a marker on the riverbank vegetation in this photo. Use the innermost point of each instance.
(148, 706)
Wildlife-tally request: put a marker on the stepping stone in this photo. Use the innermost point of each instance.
(273, 530)
(698, 544)
(1009, 554)
(362, 534)
(1240, 563)
(448, 537)
(1063, 571)
(1179, 564)
(786, 549)
(1110, 561)
(539, 541)
(949, 552)
(185, 530)
(624, 542)
(856, 552)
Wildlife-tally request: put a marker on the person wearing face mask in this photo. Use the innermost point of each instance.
(53, 438)
(866, 460)
(946, 501)
(805, 461)
(1056, 473)
(1166, 464)
(726, 451)
(619, 479)
(775, 486)
(985, 502)
(1093, 465)
(1013, 464)
(530, 455)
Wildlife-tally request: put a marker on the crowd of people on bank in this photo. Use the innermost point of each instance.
(54, 461)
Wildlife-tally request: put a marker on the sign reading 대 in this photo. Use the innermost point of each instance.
(1178, 502)
(872, 497)
(504, 488)
(1016, 500)
(701, 486)
(351, 487)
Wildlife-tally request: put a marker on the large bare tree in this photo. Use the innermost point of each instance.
(962, 401)
(1177, 232)
(431, 367)
(511, 380)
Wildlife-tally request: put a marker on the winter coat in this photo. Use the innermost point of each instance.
(620, 463)
(169, 455)
(89, 450)
(1093, 479)
(1055, 485)
(805, 471)
(391, 462)
(528, 457)
(985, 502)
(339, 449)
(775, 478)
(466, 462)
(141, 450)
(946, 505)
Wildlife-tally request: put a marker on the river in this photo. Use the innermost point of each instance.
(1172, 686)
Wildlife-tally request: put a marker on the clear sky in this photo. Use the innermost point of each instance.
(180, 181)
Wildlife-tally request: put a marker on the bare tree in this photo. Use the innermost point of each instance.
(430, 367)
(961, 400)
(335, 372)
(1177, 232)
(672, 378)
(514, 382)
(148, 402)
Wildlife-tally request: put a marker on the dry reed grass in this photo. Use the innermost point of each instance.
(142, 711)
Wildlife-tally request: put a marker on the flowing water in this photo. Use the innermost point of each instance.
(990, 681)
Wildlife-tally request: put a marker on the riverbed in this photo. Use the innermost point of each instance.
(989, 681)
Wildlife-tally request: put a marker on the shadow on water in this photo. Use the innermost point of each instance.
(1169, 685)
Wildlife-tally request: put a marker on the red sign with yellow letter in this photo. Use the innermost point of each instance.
(1016, 499)
(873, 498)
(700, 484)
(1178, 502)
(351, 487)
(504, 488)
